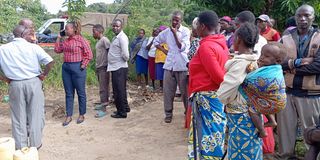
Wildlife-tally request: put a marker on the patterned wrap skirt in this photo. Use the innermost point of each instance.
(207, 129)
(243, 142)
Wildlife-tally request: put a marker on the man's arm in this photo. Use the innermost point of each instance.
(44, 74)
(5, 79)
(174, 31)
(310, 69)
(159, 40)
(124, 43)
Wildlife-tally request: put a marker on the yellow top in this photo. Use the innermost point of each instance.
(160, 56)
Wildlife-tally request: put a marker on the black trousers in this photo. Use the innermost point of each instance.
(119, 87)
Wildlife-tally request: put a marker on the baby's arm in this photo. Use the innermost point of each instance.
(251, 67)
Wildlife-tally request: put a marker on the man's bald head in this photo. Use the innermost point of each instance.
(26, 22)
(19, 31)
(305, 7)
(304, 18)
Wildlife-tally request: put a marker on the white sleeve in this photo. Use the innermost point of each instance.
(185, 40)
(228, 90)
(43, 57)
(160, 38)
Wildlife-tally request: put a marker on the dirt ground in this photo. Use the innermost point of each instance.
(142, 136)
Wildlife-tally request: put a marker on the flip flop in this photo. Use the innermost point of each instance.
(100, 114)
(99, 107)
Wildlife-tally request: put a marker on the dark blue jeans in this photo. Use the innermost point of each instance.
(74, 79)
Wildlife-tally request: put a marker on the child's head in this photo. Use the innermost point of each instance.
(246, 36)
(272, 53)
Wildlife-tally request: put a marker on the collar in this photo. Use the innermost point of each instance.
(19, 39)
(180, 29)
(120, 34)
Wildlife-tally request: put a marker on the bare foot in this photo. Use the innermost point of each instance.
(271, 124)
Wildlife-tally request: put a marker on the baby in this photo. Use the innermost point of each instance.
(265, 87)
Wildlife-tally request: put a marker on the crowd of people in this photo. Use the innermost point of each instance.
(238, 79)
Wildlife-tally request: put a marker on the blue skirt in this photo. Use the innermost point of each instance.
(243, 142)
(141, 65)
(209, 123)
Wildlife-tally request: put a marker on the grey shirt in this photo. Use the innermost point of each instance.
(118, 53)
(102, 47)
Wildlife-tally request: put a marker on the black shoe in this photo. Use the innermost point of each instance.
(168, 119)
(127, 110)
(118, 116)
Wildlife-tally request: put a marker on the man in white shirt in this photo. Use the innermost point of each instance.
(20, 62)
(177, 37)
(118, 57)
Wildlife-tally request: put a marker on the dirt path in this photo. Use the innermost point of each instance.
(142, 136)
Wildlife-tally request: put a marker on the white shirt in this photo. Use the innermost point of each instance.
(261, 42)
(119, 52)
(152, 51)
(177, 59)
(20, 60)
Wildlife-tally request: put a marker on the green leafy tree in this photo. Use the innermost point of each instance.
(97, 7)
(75, 8)
(13, 10)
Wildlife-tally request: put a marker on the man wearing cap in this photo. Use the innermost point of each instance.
(227, 29)
(264, 24)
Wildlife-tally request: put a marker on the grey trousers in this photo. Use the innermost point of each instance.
(103, 78)
(306, 109)
(170, 81)
(27, 105)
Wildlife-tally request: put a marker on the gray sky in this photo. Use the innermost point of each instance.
(53, 6)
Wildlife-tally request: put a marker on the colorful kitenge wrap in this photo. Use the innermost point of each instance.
(243, 143)
(265, 89)
(209, 123)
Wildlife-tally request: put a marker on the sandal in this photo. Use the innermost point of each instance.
(100, 114)
(99, 107)
(65, 123)
(80, 120)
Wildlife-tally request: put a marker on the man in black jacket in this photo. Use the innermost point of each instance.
(302, 75)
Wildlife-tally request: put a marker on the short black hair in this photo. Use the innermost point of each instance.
(246, 16)
(249, 33)
(209, 18)
(99, 28)
(118, 20)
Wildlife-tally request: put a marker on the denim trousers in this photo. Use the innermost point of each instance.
(74, 79)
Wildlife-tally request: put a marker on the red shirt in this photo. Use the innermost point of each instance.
(271, 34)
(207, 66)
(75, 49)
